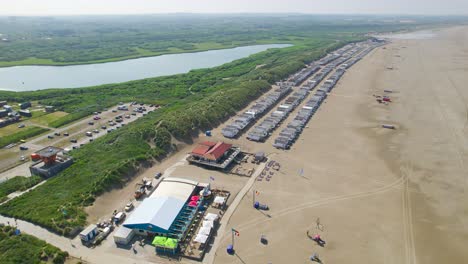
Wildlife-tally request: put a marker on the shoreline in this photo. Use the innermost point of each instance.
(126, 58)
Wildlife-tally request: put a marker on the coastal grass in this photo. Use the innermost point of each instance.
(24, 133)
(48, 119)
(24, 248)
(17, 183)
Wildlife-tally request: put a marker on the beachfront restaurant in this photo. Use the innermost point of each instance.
(213, 154)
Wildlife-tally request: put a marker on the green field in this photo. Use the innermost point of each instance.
(49, 119)
(18, 183)
(23, 133)
(10, 129)
(23, 248)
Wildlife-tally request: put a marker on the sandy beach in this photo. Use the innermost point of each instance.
(382, 196)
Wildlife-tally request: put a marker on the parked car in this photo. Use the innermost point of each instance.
(57, 134)
(129, 207)
(74, 147)
(127, 116)
(114, 111)
(89, 134)
(96, 118)
(103, 127)
(23, 148)
(91, 140)
(96, 131)
(118, 217)
(21, 125)
(158, 175)
(90, 123)
(73, 140)
(50, 136)
(66, 134)
(22, 158)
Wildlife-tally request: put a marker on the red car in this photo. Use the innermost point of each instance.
(96, 118)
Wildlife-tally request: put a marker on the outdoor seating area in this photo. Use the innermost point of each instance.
(204, 225)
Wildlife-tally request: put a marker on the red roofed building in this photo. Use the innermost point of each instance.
(212, 151)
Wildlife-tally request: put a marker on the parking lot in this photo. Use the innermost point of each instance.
(70, 137)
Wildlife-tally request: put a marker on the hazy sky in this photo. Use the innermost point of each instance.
(74, 7)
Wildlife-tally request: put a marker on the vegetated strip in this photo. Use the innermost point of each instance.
(17, 183)
(113, 159)
(23, 248)
(25, 133)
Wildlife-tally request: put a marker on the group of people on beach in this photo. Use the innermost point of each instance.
(320, 242)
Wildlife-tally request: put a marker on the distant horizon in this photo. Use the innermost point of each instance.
(305, 7)
(238, 13)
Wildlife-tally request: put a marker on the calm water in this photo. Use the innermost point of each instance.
(26, 78)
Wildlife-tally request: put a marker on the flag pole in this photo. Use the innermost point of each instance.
(232, 234)
(253, 197)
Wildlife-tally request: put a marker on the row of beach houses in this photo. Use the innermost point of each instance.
(241, 122)
(318, 69)
(294, 128)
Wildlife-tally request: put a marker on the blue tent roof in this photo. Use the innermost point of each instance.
(155, 214)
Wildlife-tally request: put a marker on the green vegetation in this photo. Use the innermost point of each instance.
(24, 133)
(49, 119)
(18, 183)
(195, 101)
(23, 248)
(95, 39)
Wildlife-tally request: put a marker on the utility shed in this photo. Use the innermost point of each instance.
(89, 233)
(123, 235)
(155, 214)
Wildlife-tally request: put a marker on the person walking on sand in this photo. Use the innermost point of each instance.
(315, 257)
(319, 240)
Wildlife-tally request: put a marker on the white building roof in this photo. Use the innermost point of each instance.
(164, 204)
(157, 211)
(175, 187)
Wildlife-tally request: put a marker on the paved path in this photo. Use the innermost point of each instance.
(210, 256)
(73, 247)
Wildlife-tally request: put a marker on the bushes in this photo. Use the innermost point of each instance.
(24, 248)
(17, 183)
(25, 133)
